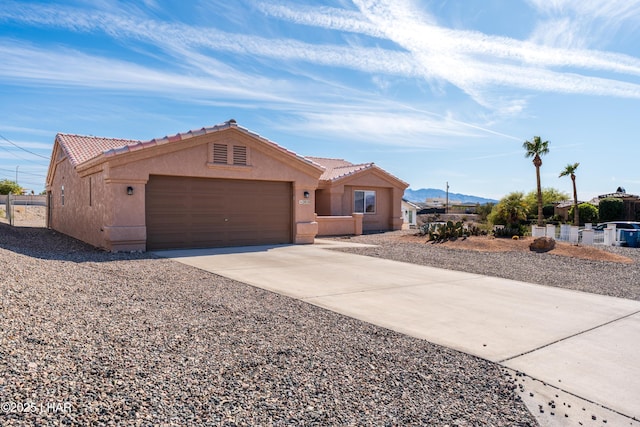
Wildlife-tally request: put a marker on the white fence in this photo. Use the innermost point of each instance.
(587, 236)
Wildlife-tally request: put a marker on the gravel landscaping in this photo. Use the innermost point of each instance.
(600, 277)
(88, 337)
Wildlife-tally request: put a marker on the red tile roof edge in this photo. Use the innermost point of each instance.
(136, 145)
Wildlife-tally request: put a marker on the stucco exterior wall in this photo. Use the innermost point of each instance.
(337, 199)
(81, 213)
(116, 220)
(380, 219)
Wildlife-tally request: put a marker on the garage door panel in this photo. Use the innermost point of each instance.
(186, 212)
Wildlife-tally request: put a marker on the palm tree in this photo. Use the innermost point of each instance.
(570, 170)
(536, 149)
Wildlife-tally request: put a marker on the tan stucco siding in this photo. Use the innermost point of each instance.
(116, 220)
(81, 213)
(323, 202)
(196, 162)
(372, 221)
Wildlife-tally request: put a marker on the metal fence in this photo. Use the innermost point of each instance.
(12, 200)
(26, 200)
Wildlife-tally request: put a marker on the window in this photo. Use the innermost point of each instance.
(62, 195)
(364, 201)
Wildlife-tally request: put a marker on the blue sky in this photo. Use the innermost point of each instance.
(432, 91)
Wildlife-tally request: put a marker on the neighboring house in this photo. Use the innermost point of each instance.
(631, 203)
(409, 214)
(346, 188)
(428, 209)
(561, 209)
(217, 186)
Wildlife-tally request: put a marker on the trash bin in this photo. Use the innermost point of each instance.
(631, 237)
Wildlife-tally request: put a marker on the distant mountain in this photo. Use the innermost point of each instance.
(422, 194)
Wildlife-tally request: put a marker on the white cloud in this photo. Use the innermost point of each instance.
(581, 24)
(471, 60)
(394, 126)
(479, 64)
(68, 67)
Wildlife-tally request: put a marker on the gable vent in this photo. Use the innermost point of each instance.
(239, 155)
(220, 153)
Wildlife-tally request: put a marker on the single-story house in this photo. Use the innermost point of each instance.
(631, 203)
(561, 209)
(346, 188)
(217, 186)
(409, 214)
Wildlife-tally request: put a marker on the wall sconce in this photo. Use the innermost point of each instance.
(306, 194)
(129, 191)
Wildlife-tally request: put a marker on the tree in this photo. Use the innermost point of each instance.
(7, 186)
(510, 210)
(536, 149)
(484, 210)
(570, 170)
(549, 197)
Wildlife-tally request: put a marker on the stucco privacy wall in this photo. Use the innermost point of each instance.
(116, 220)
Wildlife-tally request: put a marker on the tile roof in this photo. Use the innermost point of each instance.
(338, 168)
(81, 149)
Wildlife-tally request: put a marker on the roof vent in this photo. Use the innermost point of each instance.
(231, 121)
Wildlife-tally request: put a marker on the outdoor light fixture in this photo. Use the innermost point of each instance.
(306, 194)
(130, 191)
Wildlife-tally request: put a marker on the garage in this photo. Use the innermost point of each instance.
(186, 212)
(211, 187)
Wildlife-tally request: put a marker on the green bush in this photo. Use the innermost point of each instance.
(587, 212)
(611, 209)
(547, 210)
(510, 231)
(449, 231)
(484, 210)
(511, 209)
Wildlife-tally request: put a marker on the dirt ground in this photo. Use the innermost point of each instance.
(492, 244)
(26, 216)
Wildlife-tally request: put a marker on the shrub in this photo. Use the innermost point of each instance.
(611, 209)
(510, 231)
(450, 231)
(547, 210)
(587, 212)
(484, 210)
(511, 209)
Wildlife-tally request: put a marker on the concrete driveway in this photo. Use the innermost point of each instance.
(579, 350)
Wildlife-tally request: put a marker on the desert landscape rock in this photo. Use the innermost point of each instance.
(542, 244)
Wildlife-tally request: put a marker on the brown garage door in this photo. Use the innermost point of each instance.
(183, 212)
